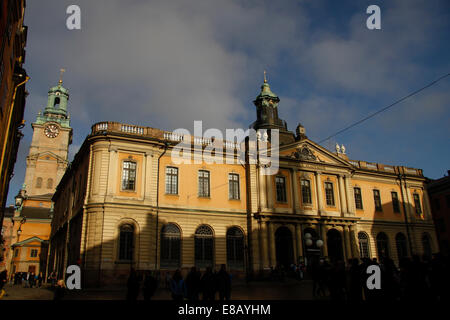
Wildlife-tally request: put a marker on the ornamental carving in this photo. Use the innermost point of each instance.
(304, 153)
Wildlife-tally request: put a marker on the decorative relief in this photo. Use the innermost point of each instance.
(304, 153)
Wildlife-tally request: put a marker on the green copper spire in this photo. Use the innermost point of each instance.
(265, 90)
(56, 109)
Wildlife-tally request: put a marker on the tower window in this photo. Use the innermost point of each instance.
(57, 101)
(49, 183)
(129, 175)
(39, 182)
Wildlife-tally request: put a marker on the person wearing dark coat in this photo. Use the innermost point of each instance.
(59, 290)
(193, 284)
(224, 283)
(133, 286)
(209, 284)
(150, 285)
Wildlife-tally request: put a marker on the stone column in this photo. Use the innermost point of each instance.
(349, 196)
(323, 232)
(298, 233)
(264, 249)
(296, 205)
(270, 195)
(354, 242)
(273, 257)
(319, 192)
(342, 195)
(426, 205)
(347, 241)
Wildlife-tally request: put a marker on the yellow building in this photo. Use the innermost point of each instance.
(47, 161)
(125, 203)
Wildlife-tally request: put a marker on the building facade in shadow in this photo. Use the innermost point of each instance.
(125, 203)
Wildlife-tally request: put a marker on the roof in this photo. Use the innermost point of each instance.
(35, 213)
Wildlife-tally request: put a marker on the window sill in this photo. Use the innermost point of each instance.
(172, 194)
(231, 199)
(205, 197)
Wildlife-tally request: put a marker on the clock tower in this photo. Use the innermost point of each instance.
(48, 156)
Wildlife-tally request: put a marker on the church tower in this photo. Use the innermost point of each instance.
(267, 114)
(48, 156)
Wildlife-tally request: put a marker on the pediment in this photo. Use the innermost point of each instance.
(47, 155)
(307, 150)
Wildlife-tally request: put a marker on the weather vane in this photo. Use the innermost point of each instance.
(265, 79)
(62, 70)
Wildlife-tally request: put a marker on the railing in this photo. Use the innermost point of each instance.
(156, 133)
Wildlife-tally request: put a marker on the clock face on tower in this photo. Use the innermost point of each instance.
(51, 130)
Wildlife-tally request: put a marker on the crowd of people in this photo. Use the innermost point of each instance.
(414, 279)
(27, 279)
(194, 286)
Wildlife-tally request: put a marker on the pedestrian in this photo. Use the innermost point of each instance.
(60, 290)
(177, 286)
(209, 285)
(224, 283)
(193, 284)
(3, 279)
(133, 286)
(39, 279)
(150, 285)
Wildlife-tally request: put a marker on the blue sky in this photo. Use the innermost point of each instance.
(165, 64)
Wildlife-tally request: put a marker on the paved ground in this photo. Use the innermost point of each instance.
(264, 290)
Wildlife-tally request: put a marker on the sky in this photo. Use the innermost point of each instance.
(165, 64)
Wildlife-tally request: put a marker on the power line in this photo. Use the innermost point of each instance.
(387, 107)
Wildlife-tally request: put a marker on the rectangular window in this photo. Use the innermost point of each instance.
(417, 203)
(395, 202)
(329, 193)
(203, 183)
(233, 186)
(306, 191)
(171, 180)
(358, 198)
(280, 183)
(34, 253)
(377, 200)
(129, 175)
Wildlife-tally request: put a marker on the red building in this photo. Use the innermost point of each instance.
(439, 192)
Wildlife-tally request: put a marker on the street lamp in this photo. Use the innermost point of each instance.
(19, 231)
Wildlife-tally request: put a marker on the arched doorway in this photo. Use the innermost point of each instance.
(334, 245)
(283, 245)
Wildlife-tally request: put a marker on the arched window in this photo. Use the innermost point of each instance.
(204, 247)
(426, 244)
(235, 248)
(49, 183)
(382, 245)
(170, 246)
(39, 182)
(126, 244)
(363, 240)
(402, 251)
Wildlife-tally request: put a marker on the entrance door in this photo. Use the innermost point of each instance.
(334, 245)
(284, 249)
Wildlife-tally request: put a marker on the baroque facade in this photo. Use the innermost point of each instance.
(124, 203)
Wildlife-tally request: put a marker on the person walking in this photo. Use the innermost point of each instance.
(177, 286)
(39, 279)
(193, 284)
(224, 283)
(209, 284)
(150, 285)
(133, 286)
(60, 290)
